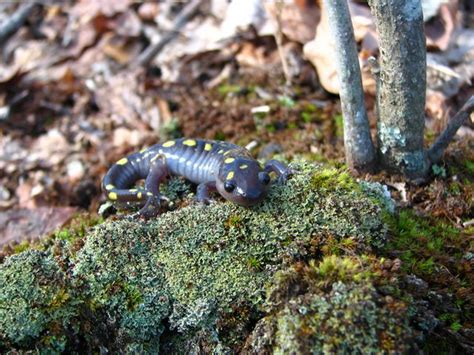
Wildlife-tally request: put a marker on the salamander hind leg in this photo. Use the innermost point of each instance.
(157, 174)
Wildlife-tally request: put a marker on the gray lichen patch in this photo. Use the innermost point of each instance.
(201, 270)
(35, 295)
(390, 137)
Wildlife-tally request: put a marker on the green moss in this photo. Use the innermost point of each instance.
(226, 89)
(33, 300)
(332, 179)
(331, 307)
(22, 246)
(339, 125)
(421, 243)
(203, 268)
(124, 281)
(286, 101)
(220, 136)
(171, 130)
(309, 113)
(469, 166)
(456, 326)
(333, 268)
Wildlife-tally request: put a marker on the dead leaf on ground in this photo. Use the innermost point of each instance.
(440, 29)
(320, 51)
(298, 23)
(49, 149)
(19, 224)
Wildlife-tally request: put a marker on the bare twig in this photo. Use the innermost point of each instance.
(375, 70)
(439, 146)
(360, 151)
(279, 42)
(186, 14)
(15, 21)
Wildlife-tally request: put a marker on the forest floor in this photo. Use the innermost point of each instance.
(62, 127)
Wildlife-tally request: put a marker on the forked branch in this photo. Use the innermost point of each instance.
(439, 146)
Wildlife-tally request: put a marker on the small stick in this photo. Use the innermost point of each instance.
(186, 14)
(375, 70)
(439, 146)
(13, 24)
(279, 42)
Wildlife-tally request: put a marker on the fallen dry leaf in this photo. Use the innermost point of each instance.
(298, 23)
(320, 51)
(21, 224)
(439, 30)
(49, 149)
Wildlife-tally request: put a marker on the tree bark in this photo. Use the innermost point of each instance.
(402, 86)
(359, 148)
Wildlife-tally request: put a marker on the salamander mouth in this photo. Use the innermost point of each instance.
(249, 199)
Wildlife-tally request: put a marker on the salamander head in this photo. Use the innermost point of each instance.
(242, 181)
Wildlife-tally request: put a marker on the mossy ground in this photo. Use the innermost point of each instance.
(202, 274)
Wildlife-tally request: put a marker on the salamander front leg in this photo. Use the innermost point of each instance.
(158, 173)
(203, 192)
(282, 171)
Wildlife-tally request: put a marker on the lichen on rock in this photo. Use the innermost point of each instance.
(202, 272)
(331, 307)
(34, 299)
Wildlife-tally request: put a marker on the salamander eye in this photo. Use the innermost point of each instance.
(229, 186)
(264, 177)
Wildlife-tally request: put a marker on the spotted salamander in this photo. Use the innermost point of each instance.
(212, 165)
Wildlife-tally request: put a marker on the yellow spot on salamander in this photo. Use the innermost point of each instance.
(143, 150)
(169, 144)
(208, 147)
(190, 142)
(220, 151)
(229, 160)
(139, 195)
(227, 153)
(133, 190)
(243, 166)
(109, 187)
(122, 161)
(230, 175)
(149, 194)
(113, 196)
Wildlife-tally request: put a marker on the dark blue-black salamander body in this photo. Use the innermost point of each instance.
(212, 165)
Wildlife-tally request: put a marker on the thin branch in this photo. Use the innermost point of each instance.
(439, 146)
(375, 70)
(360, 151)
(279, 41)
(186, 14)
(15, 21)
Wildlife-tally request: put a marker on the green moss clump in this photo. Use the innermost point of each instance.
(35, 302)
(122, 279)
(421, 244)
(331, 307)
(204, 268)
(332, 179)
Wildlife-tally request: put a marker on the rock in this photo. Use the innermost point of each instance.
(197, 277)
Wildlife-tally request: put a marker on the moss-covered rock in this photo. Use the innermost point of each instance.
(203, 270)
(333, 306)
(36, 305)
